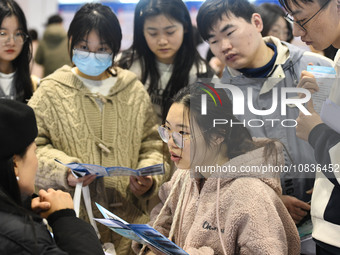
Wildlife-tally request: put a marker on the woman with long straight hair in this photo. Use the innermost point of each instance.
(163, 53)
(224, 197)
(15, 53)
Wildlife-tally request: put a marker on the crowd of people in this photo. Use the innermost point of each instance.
(160, 102)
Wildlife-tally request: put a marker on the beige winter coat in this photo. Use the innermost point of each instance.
(252, 217)
(72, 128)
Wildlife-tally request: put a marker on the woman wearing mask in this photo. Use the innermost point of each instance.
(21, 230)
(99, 114)
(15, 53)
(163, 53)
(226, 210)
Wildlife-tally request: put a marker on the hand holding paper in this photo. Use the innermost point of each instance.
(73, 179)
(100, 171)
(325, 78)
(305, 123)
(140, 184)
(140, 233)
(308, 81)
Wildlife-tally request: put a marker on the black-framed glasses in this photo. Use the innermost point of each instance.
(19, 37)
(290, 18)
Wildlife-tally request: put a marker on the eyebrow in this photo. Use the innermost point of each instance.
(225, 28)
(166, 28)
(85, 41)
(178, 125)
(19, 29)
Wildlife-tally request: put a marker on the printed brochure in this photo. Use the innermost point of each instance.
(141, 233)
(80, 169)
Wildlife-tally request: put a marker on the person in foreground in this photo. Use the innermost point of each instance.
(259, 67)
(317, 22)
(226, 211)
(22, 230)
(97, 113)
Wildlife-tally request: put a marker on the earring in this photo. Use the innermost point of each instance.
(17, 178)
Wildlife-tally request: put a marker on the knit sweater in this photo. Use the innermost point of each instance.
(73, 128)
(252, 217)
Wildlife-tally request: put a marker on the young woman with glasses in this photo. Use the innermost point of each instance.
(15, 53)
(97, 113)
(217, 202)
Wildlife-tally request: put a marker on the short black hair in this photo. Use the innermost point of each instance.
(33, 34)
(212, 10)
(95, 16)
(287, 4)
(54, 19)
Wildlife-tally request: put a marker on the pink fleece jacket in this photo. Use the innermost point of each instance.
(252, 217)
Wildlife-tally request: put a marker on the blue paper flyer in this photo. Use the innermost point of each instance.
(141, 233)
(80, 169)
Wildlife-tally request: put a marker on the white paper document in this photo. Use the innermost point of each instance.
(325, 77)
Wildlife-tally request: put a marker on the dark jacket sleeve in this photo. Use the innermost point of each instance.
(74, 235)
(322, 138)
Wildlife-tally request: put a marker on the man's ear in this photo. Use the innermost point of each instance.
(257, 21)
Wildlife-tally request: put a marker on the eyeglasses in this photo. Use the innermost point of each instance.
(101, 56)
(290, 19)
(177, 137)
(19, 37)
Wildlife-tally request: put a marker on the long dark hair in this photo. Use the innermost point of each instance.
(98, 17)
(10, 195)
(236, 137)
(186, 57)
(8, 182)
(22, 78)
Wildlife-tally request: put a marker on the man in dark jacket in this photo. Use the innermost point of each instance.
(22, 231)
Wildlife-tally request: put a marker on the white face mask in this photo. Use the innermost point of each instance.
(90, 63)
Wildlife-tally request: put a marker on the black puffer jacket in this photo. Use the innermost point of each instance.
(21, 234)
